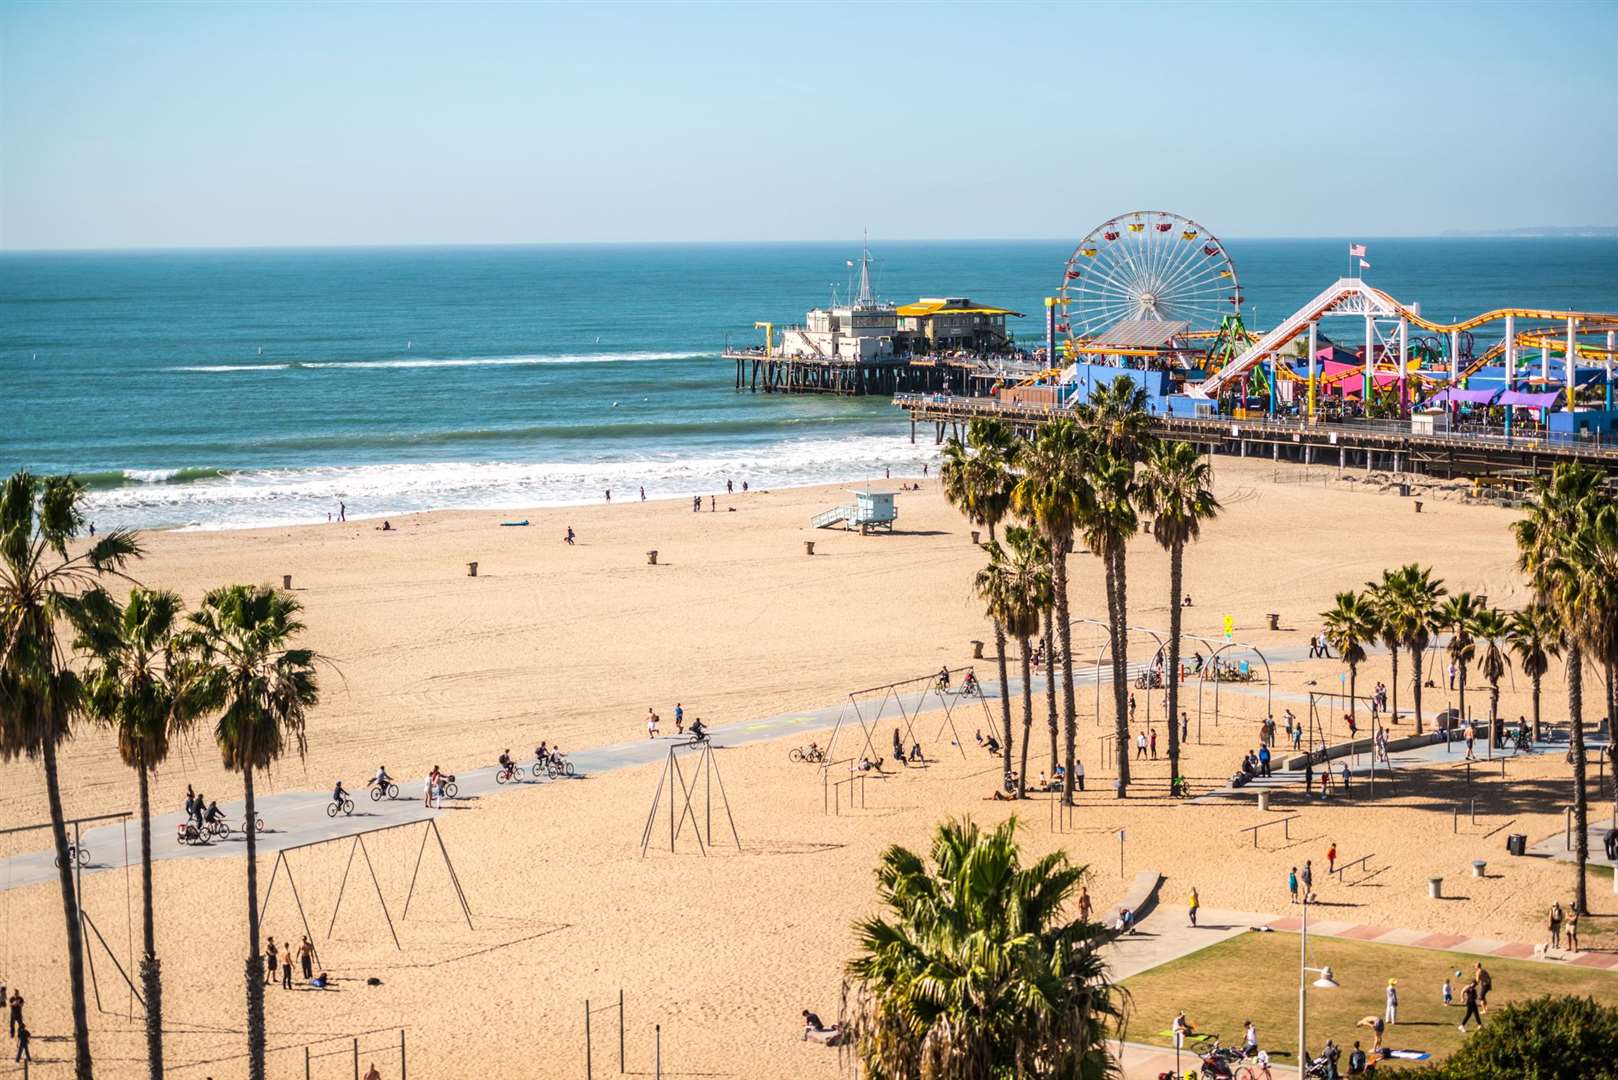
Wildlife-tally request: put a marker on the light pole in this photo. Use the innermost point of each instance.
(1325, 982)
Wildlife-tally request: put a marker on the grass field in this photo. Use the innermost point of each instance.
(1255, 976)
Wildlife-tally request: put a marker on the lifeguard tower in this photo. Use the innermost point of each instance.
(870, 510)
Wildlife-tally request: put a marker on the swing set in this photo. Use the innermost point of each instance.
(909, 698)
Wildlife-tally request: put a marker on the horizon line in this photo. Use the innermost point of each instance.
(1561, 232)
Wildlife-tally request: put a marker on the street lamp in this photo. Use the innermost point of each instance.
(1325, 982)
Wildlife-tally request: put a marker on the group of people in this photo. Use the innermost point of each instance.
(1319, 647)
(280, 958)
(199, 811)
(698, 730)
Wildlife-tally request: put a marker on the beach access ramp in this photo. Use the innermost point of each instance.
(871, 510)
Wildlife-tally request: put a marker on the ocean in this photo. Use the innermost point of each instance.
(232, 388)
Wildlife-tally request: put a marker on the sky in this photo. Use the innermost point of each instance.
(152, 125)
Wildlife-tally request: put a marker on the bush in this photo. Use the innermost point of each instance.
(1545, 1038)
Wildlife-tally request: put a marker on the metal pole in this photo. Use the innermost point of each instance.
(1303, 960)
(401, 1054)
(587, 1062)
(356, 1059)
(658, 1061)
(306, 1063)
(620, 1029)
(1572, 362)
(1314, 346)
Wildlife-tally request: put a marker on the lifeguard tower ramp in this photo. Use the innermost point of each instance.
(870, 510)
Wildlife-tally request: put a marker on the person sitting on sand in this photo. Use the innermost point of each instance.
(811, 1022)
(371, 1073)
(867, 765)
(386, 526)
(1126, 921)
(319, 982)
(1185, 601)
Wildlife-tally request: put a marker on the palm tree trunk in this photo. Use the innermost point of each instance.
(1065, 632)
(1393, 701)
(1464, 718)
(1005, 686)
(1415, 683)
(255, 963)
(1027, 715)
(1050, 690)
(1120, 664)
(151, 979)
(1353, 678)
(1176, 581)
(70, 914)
(1581, 805)
(1494, 707)
(1536, 706)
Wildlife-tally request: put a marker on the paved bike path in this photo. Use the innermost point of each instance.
(292, 818)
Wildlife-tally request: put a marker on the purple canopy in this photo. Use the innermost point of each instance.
(1470, 397)
(1531, 400)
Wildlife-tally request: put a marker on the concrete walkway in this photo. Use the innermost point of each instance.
(1461, 943)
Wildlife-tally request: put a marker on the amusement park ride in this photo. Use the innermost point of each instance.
(1157, 291)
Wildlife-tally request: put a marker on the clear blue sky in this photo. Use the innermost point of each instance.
(154, 125)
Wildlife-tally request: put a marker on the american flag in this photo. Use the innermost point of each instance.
(1363, 264)
(1356, 251)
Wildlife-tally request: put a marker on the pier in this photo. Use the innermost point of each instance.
(1368, 444)
(758, 372)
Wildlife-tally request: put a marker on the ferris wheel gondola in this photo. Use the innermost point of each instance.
(1149, 265)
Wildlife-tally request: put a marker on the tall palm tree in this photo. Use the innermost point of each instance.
(1561, 506)
(1051, 493)
(1415, 613)
(1382, 597)
(1536, 637)
(1492, 629)
(1349, 624)
(139, 688)
(977, 479)
(1108, 521)
(1458, 615)
(42, 586)
(1176, 488)
(262, 689)
(975, 970)
(1016, 586)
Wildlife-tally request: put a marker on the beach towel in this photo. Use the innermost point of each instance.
(514, 524)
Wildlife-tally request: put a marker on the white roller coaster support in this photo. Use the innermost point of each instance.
(1572, 363)
(1511, 353)
(1545, 362)
(1370, 356)
(1611, 338)
(1454, 355)
(1404, 355)
(1314, 347)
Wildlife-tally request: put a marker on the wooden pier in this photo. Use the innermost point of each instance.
(1366, 444)
(758, 372)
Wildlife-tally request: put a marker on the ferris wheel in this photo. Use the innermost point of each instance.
(1147, 265)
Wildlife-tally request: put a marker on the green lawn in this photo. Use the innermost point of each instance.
(1255, 976)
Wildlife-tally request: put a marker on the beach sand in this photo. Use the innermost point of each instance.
(735, 622)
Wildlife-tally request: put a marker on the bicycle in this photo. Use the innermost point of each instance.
(509, 774)
(188, 833)
(389, 790)
(558, 766)
(813, 754)
(346, 806)
(448, 788)
(75, 854)
(218, 827)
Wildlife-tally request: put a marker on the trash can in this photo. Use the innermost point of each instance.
(286, 582)
(1517, 844)
(1435, 888)
(1478, 866)
(977, 649)
(808, 547)
(471, 569)
(1264, 801)
(651, 557)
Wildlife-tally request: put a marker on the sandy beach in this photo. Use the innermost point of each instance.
(735, 622)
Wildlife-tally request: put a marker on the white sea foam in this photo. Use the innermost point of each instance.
(257, 498)
(447, 362)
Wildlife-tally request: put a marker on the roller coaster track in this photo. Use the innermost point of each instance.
(1352, 296)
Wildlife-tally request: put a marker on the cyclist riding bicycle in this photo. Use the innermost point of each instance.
(943, 677)
(969, 685)
(338, 794)
(542, 753)
(381, 779)
(699, 730)
(212, 815)
(506, 764)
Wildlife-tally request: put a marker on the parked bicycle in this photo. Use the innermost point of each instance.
(75, 854)
(811, 753)
(344, 807)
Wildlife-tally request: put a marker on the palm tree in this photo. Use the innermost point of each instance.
(1051, 493)
(1492, 629)
(1349, 625)
(974, 969)
(1107, 523)
(977, 479)
(1458, 615)
(1176, 488)
(1016, 587)
(1415, 613)
(1382, 597)
(262, 689)
(41, 587)
(138, 687)
(1535, 637)
(1561, 507)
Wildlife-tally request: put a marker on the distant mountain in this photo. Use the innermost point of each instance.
(1604, 231)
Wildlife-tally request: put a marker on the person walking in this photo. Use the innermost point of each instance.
(1131, 708)
(306, 959)
(1292, 884)
(1152, 742)
(14, 1007)
(24, 1037)
(1480, 977)
(1573, 926)
(269, 962)
(1556, 925)
(1085, 907)
(1308, 880)
(286, 967)
(1185, 726)
(1331, 857)
(1140, 745)
(1469, 998)
(1191, 904)
(1078, 773)
(1391, 1013)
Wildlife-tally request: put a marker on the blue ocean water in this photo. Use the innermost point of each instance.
(229, 388)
